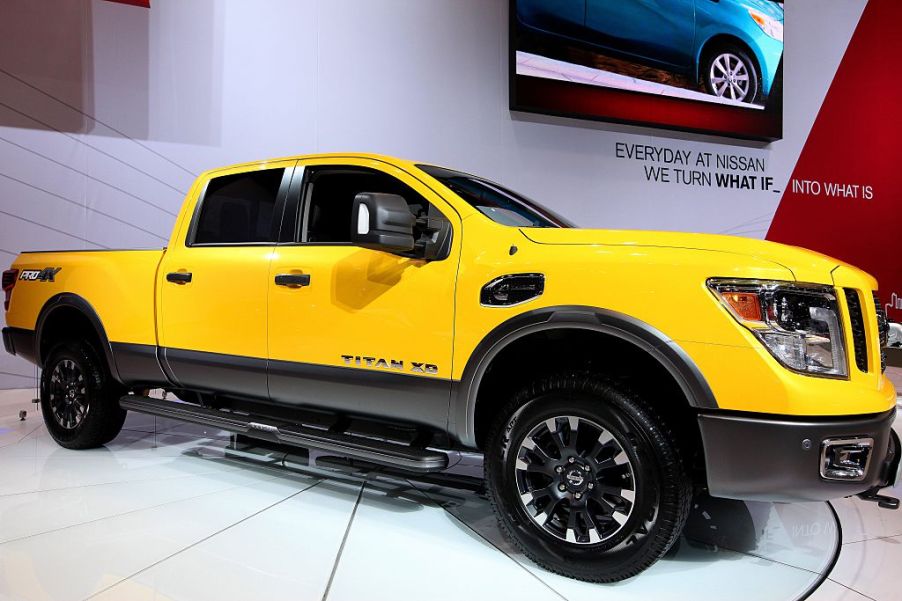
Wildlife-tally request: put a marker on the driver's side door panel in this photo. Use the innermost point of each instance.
(372, 333)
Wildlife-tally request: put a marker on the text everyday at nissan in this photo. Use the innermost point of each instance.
(388, 312)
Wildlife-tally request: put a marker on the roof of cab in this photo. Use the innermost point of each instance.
(397, 162)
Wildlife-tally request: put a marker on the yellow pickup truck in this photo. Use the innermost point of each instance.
(393, 313)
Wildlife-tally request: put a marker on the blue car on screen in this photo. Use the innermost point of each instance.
(732, 47)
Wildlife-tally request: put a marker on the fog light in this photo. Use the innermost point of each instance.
(846, 458)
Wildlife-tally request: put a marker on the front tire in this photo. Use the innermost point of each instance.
(79, 397)
(729, 72)
(586, 479)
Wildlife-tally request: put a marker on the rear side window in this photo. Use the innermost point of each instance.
(240, 208)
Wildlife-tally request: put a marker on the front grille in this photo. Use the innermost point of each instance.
(859, 334)
(883, 329)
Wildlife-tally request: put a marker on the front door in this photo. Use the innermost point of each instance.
(658, 30)
(357, 330)
(213, 282)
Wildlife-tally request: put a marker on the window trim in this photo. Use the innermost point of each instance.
(288, 232)
(278, 209)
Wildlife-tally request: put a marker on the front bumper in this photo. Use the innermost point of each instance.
(779, 459)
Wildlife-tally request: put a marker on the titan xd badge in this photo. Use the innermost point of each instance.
(40, 275)
(396, 364)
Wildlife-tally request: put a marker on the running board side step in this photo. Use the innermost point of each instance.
(356, 447)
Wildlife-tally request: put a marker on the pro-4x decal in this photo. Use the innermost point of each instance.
(416, 367)
(40, 275)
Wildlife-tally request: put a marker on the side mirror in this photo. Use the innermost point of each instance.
(382, 222)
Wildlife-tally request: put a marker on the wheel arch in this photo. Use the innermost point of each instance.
(633, 333)
(78, 317)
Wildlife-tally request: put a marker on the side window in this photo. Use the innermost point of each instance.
(329, 195)
(240, 208)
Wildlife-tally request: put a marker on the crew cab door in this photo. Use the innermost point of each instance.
(659, 30)
(562, 17)
(212, 282)
(357, 330)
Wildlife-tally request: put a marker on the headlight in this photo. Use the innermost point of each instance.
(798, 323)
(768, 25)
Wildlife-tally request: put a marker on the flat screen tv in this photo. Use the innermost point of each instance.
(710, 66)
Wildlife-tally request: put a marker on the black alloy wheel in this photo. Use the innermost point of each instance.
(67, 394)
(585, 478)
(575, 480)
(79, 397)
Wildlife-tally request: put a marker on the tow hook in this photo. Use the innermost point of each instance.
(891, 475)
(884, 501)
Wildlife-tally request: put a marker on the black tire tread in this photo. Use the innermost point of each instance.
(105, 419)
(676, 495)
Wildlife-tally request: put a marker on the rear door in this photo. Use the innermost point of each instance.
(562, 17)
(362, 331)
(658, 30)
(213, 282)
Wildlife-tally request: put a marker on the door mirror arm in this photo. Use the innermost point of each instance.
(434, 243)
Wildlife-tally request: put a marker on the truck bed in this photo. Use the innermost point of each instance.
(118, 284)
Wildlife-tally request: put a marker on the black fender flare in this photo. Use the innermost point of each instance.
(462, 416)
(74, 301)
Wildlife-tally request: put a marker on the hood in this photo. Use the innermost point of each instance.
(805, 265)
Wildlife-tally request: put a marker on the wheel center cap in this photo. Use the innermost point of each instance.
(575, 479)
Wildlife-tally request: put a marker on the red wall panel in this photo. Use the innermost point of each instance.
(855, 141)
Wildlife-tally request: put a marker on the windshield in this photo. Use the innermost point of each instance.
(495, 201)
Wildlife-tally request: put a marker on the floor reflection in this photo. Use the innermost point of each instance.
(166, 500)
(804, 535)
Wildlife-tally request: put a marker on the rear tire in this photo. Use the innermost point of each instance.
(601, 505)
(79, 397)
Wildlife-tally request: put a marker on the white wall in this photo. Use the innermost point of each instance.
(107, 112)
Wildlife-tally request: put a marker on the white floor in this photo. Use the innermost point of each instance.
(169, 511)
(541, 66)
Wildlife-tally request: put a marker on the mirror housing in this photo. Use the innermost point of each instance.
(382, 222)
